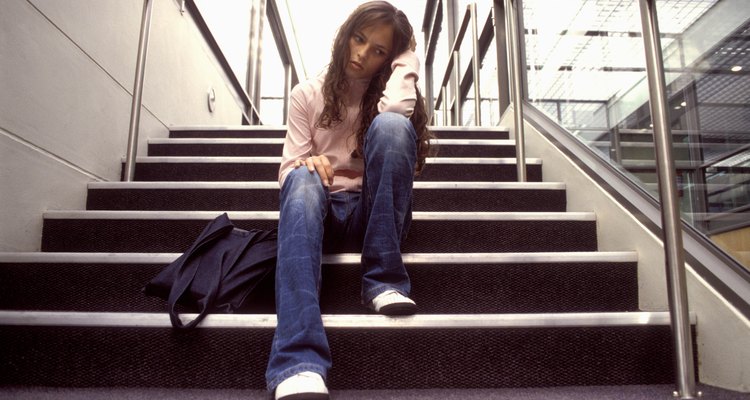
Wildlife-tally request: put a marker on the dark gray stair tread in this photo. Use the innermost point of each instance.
(273, 147)
(540, 350)
(264, 196)
(209, 147)
(280, 132)
(144, 231)
(250, 169)
(239, 132)
(452, 132)
(442, 283)
(620, 392)
(207, 169)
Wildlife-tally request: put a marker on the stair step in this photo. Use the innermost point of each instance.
(267, 169)
(510, 288)
(536, 282)
(650, 165)
(442, 132)
(222, 147)
(264, 196)
(174, 231)
(229, 131)
(67, 349)
(470, 132)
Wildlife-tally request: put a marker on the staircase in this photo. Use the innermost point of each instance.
(511, 288)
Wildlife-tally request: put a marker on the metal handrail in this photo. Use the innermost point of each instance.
(515, 78)
(291, 75)
(671, 223)
(249, 111)
(725, 156)
(475, 64)
(453, 67)
(453, 60)
(135, 108)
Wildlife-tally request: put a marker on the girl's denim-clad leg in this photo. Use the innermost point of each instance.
(377, 219)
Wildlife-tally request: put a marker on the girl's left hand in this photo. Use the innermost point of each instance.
(319, 164)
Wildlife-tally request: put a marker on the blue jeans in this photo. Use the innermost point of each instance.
(312, 219)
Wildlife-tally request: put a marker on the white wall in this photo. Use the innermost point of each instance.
(723, 334)
(66, 78)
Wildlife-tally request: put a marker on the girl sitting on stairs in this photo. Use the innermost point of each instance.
(356, 138)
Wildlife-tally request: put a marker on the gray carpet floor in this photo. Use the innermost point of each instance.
(562, 393)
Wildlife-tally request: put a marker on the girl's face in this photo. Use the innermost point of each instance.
(369, 48)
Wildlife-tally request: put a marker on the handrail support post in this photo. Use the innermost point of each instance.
(475, 64)
(135, 107)
(670, 215)
(515, 76)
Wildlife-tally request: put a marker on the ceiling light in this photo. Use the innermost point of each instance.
(736, 68)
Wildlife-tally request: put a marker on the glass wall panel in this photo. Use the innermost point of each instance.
(488, 87)
(271, 108)
(708, 71)
(440, 62)
(586, 70)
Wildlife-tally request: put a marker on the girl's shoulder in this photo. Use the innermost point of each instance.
(310, 87)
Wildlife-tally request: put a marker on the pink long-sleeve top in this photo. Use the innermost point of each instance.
(304, 140)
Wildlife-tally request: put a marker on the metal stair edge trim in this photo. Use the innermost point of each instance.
(208, 141)
(481, 161)
(419, 185)
(469, 128)
(216, 141)
(345, 321)
(274, 215)
(277, 160)
(345, 258)
(249, 128)
(252, 128)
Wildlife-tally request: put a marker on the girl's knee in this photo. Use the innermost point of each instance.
(392, 127)
(302, 183)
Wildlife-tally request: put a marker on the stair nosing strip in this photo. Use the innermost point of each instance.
(216, 141)
(206, 160)
(468, 129)
(183, 185)
(345, 321)
(419, 185)
(474, 142)
(248, 128)
(480, 161)
(271, 215)
(441, 142)
(277, 160)
(473, 185)
(344, 258)
(252, 128)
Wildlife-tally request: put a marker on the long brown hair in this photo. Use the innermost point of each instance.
(335, 84)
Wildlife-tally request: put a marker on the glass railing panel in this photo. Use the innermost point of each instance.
(230, 27)
(586, 70)
(272, 72)
(467, 110)
(442, 55)
(489, 89)
(707, 64)
(583, 61)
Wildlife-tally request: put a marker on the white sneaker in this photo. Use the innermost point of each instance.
(303, 386)
(392, 302)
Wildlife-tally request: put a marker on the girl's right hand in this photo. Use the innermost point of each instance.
(320, 164)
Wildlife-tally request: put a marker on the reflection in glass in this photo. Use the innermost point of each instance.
(586, 70)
